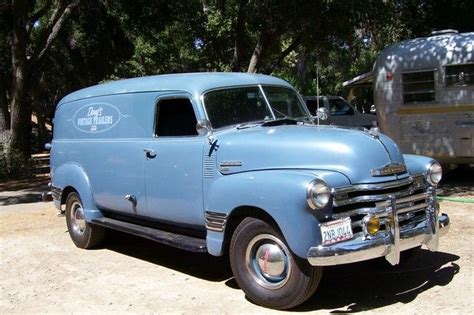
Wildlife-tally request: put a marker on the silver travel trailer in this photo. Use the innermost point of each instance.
(424, 95)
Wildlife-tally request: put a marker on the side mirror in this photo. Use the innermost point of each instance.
(373, 110)
(203, 127)
(322, 113)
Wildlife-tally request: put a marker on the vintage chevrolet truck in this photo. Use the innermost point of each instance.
(232, 163)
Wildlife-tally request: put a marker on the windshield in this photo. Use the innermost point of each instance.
(233, 106)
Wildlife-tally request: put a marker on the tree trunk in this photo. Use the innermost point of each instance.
(238, 31)
(256, 58)
(23, 68)
(301, 66)
(38, 88)
(4, 113)
(20, 108)
(20, 113)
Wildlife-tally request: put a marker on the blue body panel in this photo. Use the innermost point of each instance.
(100, 134)
(174, 180)
(308, 147)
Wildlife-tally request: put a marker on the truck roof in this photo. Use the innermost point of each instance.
(193, 83)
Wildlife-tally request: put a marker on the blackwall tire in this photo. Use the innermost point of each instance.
(266, 270)
(83, 234)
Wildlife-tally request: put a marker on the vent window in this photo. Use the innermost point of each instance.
(418, 87)
(460, 75)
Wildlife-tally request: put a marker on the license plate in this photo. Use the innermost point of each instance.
(336, 231)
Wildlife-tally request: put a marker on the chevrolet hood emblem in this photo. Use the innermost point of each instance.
(389, 170)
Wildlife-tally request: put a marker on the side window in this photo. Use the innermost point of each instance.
(418, 87)
(340, 108)
(460, 75)
(175, 117)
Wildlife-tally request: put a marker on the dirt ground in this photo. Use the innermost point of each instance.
(43, 272)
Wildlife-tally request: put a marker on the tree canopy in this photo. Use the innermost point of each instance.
(53, 47)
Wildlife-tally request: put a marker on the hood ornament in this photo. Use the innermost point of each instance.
(390, 169)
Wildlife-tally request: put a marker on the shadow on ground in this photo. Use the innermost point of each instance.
(347, 288)
(374, 284)
(458, 182)
(23, 191)
(199, 265)
(24, 196)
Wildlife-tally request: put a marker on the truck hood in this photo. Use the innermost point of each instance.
(351, 152)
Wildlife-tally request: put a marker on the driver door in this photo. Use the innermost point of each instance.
(173, 168)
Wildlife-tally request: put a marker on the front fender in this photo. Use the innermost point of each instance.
(73, 175)
(417, 164)
(281, 194)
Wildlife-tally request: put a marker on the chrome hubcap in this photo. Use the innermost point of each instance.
(77, 218)
(268, 261)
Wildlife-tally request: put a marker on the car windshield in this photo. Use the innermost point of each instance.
(242, 105)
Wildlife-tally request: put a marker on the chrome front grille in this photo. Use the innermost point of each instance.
(409, 196)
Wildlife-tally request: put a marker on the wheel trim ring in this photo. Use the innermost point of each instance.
(255, 272)
(77, 218)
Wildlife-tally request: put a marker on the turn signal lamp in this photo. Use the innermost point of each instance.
(372, 224)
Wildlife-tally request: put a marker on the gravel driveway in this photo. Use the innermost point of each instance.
(42, 271)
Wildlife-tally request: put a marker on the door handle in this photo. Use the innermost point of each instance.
(149, 153)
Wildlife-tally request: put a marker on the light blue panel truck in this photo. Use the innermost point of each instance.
(233, 164)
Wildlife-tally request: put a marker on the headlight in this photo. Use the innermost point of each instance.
(434, 173)
(318, 194)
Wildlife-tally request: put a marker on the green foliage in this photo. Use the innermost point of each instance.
(13, 165)
(296, 40)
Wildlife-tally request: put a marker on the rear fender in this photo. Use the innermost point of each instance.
(73, 175)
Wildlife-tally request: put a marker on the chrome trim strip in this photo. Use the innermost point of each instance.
(350, 213)
(215, 221)
(412, 208)
(372, 198)
(416, 197)
(357, 223)
(376, 186)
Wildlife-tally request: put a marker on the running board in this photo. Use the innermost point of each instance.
(189, 243)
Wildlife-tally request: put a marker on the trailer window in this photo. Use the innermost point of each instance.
(418, 87)
(460, 75)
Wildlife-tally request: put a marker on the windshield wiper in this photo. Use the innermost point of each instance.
(249, 124)
(270, 123)
(280, 121)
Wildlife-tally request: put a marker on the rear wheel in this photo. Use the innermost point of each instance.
(266, 270)
(83, 233)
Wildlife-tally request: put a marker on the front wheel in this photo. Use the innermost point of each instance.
(266, 270)
(83, 233)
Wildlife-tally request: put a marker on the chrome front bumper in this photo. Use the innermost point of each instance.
(388, 243)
